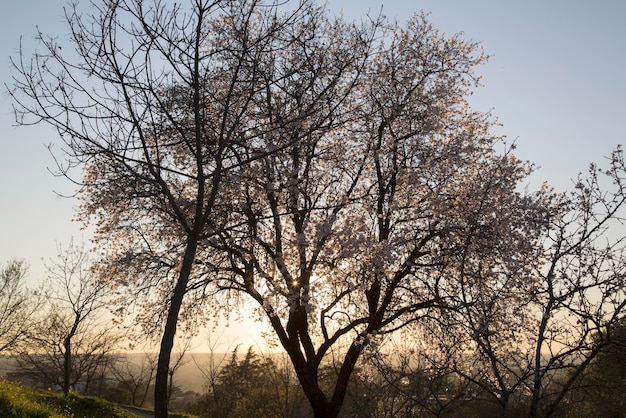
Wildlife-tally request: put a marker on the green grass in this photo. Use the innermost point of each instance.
(17, 401)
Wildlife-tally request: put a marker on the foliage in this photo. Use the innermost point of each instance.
(601, 390)
(251, 386)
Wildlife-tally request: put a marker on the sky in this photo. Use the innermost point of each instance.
(555, 80)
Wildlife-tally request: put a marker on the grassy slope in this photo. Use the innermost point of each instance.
(17, 401)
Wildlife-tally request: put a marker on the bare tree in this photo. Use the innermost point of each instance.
(70, 343)
(180, 359)
(524, 336)
(582, 297)
(17, 304)
(135, 374)
(216, 361)
(406, 382)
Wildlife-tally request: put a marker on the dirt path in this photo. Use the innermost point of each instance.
(138, 412)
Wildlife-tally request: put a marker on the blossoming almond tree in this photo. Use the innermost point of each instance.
(357, 229)
(157, 104)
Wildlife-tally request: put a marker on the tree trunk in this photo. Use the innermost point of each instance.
(67, 365)
(167, 341)
(325, 409)
(322, 407)
(165, 352)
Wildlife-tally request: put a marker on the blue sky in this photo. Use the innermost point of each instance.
(555, 81)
